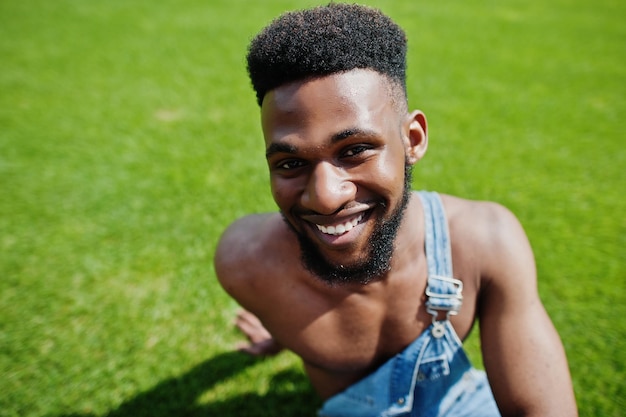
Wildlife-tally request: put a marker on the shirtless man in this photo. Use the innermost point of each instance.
(371, 284)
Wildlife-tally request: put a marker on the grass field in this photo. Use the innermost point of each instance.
(129, 139)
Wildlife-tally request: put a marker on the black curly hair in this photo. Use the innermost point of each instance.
(325, 40)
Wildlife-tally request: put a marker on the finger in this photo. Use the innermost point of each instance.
(252, 327)
(244, 316)
(247, 325)
(255, 334)
(265, 348)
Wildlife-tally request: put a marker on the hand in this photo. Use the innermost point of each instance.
(260, 341)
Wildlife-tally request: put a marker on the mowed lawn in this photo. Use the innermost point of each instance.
(129, 140)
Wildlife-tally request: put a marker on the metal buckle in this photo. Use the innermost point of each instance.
(456, 282)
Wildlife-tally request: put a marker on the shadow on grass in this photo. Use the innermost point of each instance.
(290, 394)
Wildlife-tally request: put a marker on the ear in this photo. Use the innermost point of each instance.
(416, 136)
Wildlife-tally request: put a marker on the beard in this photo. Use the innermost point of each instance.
(380, 248)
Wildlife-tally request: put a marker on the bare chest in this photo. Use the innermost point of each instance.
(344, 344)
(342, 339)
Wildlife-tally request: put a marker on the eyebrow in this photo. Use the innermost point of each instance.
(345, 134)
(275, 148)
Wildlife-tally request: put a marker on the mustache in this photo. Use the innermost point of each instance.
(298, 211)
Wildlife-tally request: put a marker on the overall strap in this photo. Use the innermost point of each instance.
(444, 293)
(437, 238)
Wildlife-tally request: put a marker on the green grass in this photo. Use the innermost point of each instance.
(129, 139)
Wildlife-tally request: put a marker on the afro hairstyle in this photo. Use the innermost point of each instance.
(324, 40)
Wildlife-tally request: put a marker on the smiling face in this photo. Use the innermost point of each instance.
(339, 149)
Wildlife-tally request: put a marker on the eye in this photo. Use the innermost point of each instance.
(355, 150)
(289, 164)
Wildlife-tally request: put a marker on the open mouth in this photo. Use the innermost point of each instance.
(340, 228)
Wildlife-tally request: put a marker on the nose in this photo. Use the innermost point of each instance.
(328, 189)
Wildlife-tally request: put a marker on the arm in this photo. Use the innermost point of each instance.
(236, 263)
(523, 355)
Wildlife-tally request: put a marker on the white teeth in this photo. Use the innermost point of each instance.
(340, 229)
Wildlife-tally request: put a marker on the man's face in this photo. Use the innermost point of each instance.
(339, 174)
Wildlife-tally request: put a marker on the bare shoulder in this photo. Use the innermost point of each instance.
(491, 234)
(245, 234)
(489, 218)
(246, 250)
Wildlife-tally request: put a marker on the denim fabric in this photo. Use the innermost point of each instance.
(432, 376)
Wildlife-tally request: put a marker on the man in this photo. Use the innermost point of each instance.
(372, 285)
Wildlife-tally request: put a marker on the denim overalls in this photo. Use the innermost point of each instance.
(432, 376)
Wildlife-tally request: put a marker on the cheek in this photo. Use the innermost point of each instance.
(276, 191)
(389, 173)
(283, 191)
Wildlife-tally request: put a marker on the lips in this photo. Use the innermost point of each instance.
(339, 229)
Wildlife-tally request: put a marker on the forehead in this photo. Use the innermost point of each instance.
(326, 105)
